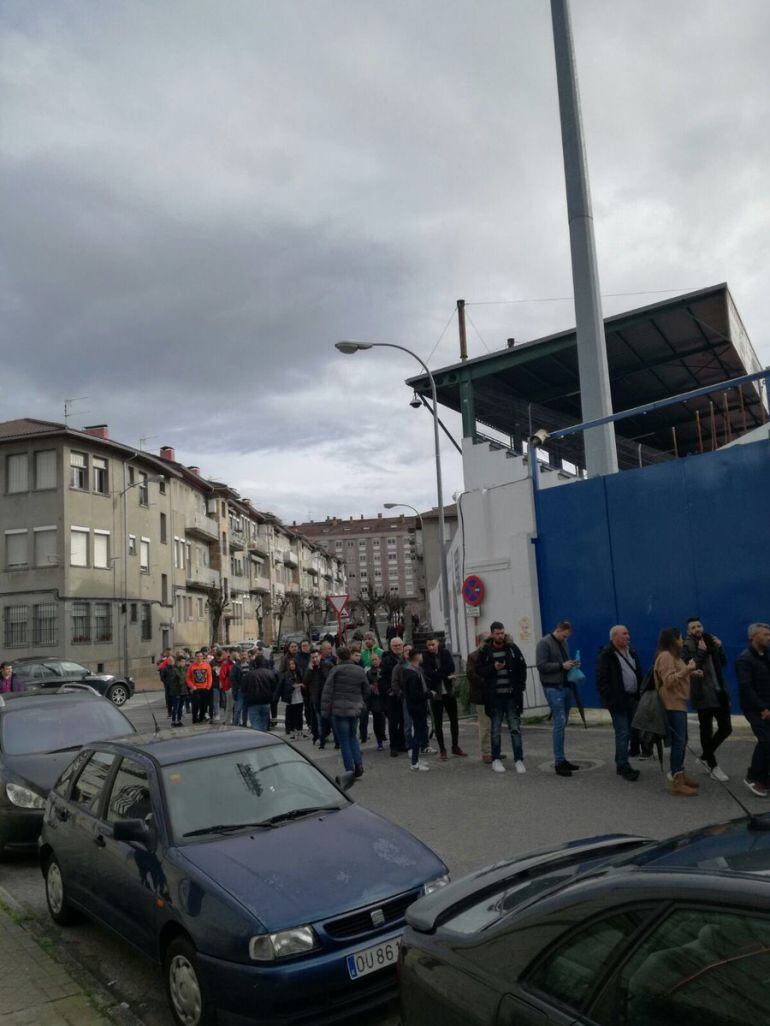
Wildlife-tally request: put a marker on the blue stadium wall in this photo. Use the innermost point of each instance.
(651, 547)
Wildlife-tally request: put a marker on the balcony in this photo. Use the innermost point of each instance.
(237, 540)
(289, 559)
(258, 546)
(200, 526)
(313, 570)
(202, 578)
(260, 586)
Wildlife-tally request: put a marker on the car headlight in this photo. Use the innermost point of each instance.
(435, 885)
(269, 946)
(23, 797)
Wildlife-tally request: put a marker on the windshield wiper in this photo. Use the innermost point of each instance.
(225, 828)
(296, 813)
(69, 748)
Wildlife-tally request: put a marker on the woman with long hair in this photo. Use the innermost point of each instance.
(672, 679)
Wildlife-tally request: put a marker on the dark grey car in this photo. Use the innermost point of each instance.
(39, 736)
(42, 672)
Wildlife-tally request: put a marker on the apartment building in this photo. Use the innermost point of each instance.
(382, 555)
(111, 554)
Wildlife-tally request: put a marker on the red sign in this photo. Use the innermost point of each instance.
(338, 602)
(473, 590)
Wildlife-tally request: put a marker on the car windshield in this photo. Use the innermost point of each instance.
(37, 727)
(242, 789)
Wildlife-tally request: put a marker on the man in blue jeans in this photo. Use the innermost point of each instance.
(553, 665)
(618, 681)
(503, 670)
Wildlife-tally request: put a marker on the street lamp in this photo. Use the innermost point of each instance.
(155, 479)
(349, 347)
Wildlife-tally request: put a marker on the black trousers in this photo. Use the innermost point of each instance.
(396, 723)
(373, 706)
(709, 739)
(293, 718)
(448, 704)
(759, 771)
(201, 704)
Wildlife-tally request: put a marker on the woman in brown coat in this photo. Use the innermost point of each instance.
(672, 679)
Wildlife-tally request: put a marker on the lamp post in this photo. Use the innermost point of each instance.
(154, 478)
(349, 347)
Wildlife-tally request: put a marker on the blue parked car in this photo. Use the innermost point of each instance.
(236, 863)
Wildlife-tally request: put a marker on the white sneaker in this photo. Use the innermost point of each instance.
(704, 766)
(498, 767)
(520, 767)
(419, 766)
(428, 751)
(719, 774)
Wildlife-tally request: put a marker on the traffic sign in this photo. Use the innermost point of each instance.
(473, 590)
(338, 602)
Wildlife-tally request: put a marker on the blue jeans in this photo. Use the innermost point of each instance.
(505, 709)
(560, 702)
(177, 702)
(259, 716)
(345, 729)
(621, 724)
(677, 725)
(408, 731)
(239, 709)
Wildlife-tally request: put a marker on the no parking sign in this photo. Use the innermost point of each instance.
(473, 590)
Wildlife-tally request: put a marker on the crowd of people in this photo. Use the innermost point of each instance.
(403, 697)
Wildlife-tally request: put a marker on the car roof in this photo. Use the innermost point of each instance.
(48, 698)
(185, 744)
(43, 659)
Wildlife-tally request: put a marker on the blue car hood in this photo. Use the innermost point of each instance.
(317, 867)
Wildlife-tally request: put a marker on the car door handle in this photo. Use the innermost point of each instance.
(99, 841)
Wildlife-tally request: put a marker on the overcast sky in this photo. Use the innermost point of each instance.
(198, 199)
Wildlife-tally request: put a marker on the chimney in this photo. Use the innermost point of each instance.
(362, 516)
(379, 516)
(98, 431)
(195, 470)
(168, 453)
(511, 342)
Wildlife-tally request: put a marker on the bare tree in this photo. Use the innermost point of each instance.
(311, 608)
(395, 606)
(369, 605)
(282, 607)
(216, 603)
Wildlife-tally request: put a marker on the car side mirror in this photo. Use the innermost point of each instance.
(135, 830)
(345, 780)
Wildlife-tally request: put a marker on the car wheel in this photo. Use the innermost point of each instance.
(56, 895)
(187, 996)
(118, 694)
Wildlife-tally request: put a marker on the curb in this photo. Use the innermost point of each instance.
(95, 989)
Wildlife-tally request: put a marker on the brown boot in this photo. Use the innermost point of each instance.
(486, 759)
(690, 781)
(680, 789)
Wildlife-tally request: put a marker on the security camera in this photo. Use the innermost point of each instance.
(539, 438)
(415, 402)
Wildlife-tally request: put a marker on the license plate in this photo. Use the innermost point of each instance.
(369, 960)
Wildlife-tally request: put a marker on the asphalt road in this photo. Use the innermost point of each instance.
(465, 812)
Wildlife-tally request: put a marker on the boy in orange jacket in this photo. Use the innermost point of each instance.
(199, 681)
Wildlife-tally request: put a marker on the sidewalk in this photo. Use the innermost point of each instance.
(35, 989)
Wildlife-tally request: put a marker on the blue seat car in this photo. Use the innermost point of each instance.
(228, 857)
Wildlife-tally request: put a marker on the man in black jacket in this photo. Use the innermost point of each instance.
(260, 688)
(752, 668)
(618, 679)
(503, 669)
(394, 706)
(708, 693)
(438, 668)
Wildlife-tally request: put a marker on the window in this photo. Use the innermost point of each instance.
(131, 474)
(146, 622)
(362, 543)
(133, 612)
(89, 785)
(79, 471)
(162, 486)
(44, 624)
(16, 549)
(392, 557)
(130, 795)
(698, 967)
(391, 543)
(45, 469)
(17, 473)
(101, 475)
(363, 575)
(188, 606)
(45, 546)
(177, 554)
(79, 546)
(200, 609)
(16, 618)
(132, 544)
(102, 621)
(570, 972)
(144, 490)
(102, 550)
(394, 589)
(81, 623)
(188, 553)
(378, 574)
(224, 543)
(362, 557)
(338, 545)
(144, 555)
(164, 589)
(375, 543)
(163, 532)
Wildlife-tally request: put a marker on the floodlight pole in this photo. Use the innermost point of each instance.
(595, 397)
